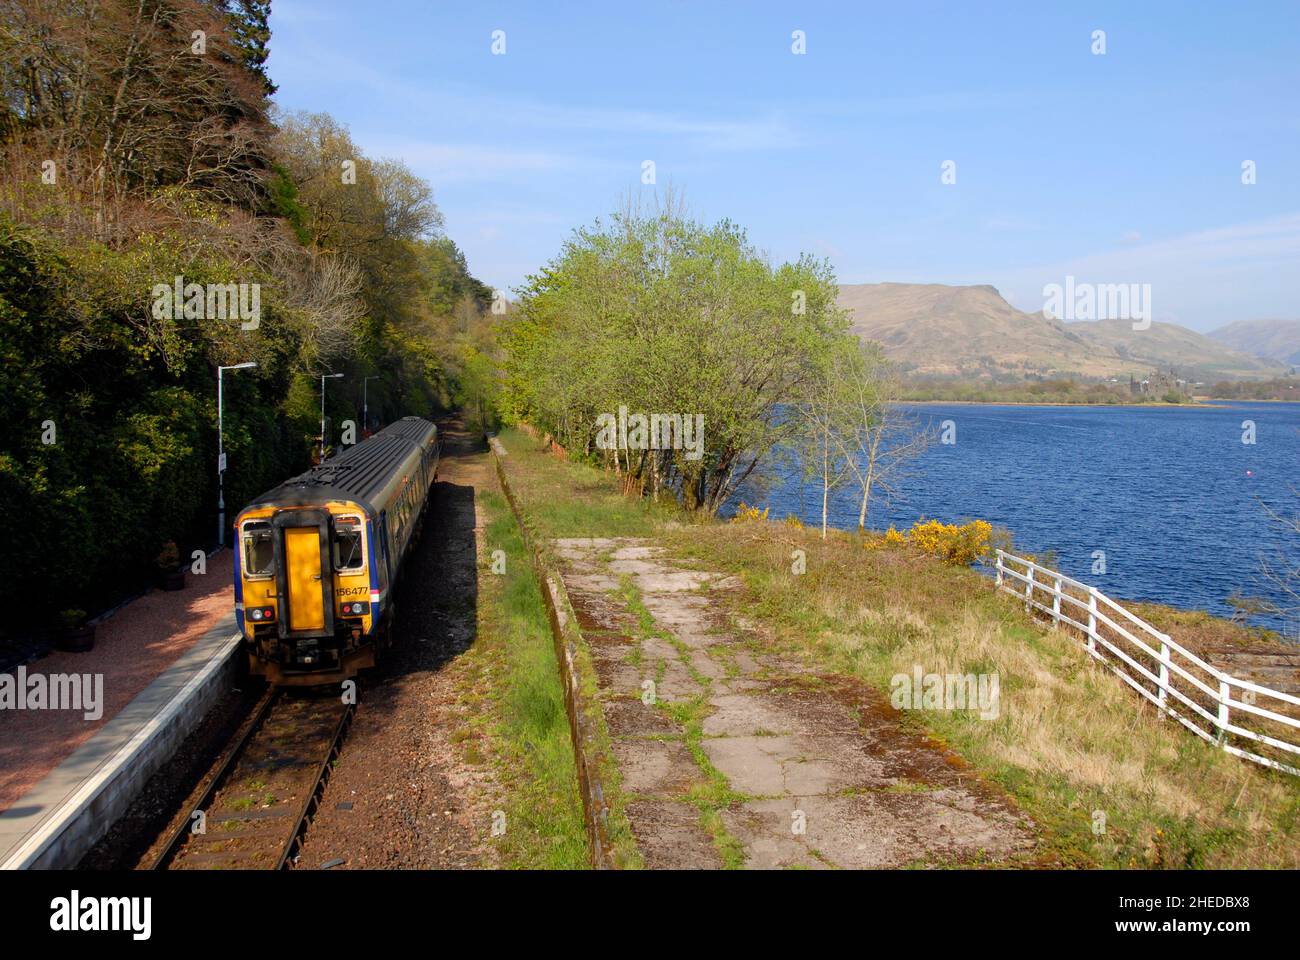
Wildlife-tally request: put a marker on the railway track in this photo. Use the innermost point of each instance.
(256, 802)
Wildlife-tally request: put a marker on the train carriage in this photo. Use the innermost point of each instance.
(318, 556)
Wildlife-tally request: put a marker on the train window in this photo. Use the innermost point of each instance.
(348, 554)
(259, 549)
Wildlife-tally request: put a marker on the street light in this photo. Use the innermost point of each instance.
(365, 403)
(323, 378)
(221, 454)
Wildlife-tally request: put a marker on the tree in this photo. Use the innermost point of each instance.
(167, 167)
(660, 315)
(825, 412)
(250, 25)
(879, 439)
(122, 96)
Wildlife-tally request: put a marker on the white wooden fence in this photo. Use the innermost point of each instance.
(1155, 666)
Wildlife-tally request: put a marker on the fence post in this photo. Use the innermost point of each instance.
(1092, 619)
(1164, 677)
(999, 568)
(1029, 587)
(1056, 602)
(1223, 711)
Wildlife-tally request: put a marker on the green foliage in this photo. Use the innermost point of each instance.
(129, 419)
(528, 725)
(109, 406)
(130, 397)
(251, 34)
(72, 618)
(283, 194)
(663, 315)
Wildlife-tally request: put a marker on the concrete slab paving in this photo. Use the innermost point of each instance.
(736, 714)
(629, 717)
(820, 772)
(662, 768)
(769, 841)
(669, 836)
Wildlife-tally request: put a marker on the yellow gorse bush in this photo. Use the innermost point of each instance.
(958, 545)
(748, 514)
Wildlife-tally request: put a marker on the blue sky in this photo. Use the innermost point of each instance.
(1124, 167)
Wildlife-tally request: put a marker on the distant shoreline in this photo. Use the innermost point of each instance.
(1204, 403)
(1068, 403)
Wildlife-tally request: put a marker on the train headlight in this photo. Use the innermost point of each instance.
(262, 614)
(355, 608)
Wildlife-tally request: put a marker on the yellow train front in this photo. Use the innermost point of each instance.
(318, 557)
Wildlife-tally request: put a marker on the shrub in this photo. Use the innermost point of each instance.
(72, 618)
(169, 557)
(748, 514)
(958, 545)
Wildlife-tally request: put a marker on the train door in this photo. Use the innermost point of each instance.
(302, 551)
(383, 545)
(303, 573)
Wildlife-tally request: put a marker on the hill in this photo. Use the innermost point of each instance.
(1277, 340)
(942, 331)
(1192, 355)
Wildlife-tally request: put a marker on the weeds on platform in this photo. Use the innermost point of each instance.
(525, 733)
(567, 499)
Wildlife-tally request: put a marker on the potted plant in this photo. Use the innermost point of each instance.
(171, 575)
(75, 634)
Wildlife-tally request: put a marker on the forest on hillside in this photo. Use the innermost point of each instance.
(142, 153)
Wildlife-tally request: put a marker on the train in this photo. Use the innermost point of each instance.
(318, 557)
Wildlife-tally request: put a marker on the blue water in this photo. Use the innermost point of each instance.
(1171, 495)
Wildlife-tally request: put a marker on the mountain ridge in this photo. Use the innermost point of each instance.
(947, 331)
(1271, 339)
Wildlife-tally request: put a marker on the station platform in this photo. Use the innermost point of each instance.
(163, 660)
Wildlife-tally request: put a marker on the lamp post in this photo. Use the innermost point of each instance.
(365, 403)
(323, 378)
(221, 453)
